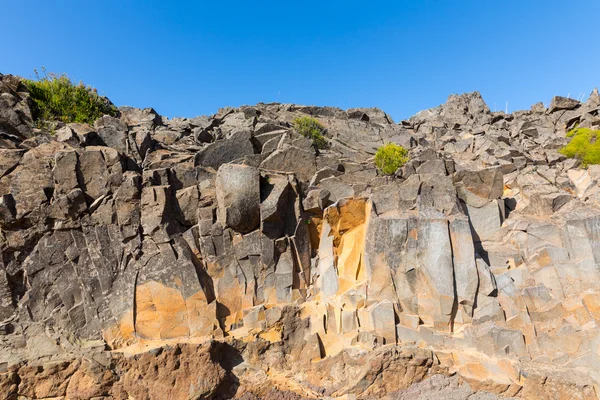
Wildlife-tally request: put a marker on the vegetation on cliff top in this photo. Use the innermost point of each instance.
(312, 129)
(56, 98)
(390, 157)
(584, 145)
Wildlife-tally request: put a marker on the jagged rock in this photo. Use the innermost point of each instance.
(547, 204)
(85, 134)
(65, 134)
(113, 133)
(292, 159)
(135, 117)
(316, 200)
(71, 205)
(30, 183)
(323, 173)
(15, 114)
(562, 103)
(486, 184)
(9, 159)
(158, 218)
(143, 234)
(336, 188)
(226, 150)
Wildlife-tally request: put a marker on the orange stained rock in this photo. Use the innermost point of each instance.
(509, 369)
(121, 334)
(347, 220)
(591, 301)
(575, 312)
(230, 293)
(543, 258)
(271, 296)
(348, 214)
(273, 335)
(350, 260)
(334, 343)
(475, 371)
(201, 315)
(161, 312)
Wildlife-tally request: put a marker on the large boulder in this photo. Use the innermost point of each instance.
(563, 103)
(238, 197)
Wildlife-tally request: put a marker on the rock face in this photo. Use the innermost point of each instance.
(224, 257)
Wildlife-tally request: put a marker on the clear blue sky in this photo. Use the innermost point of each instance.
(188, 58)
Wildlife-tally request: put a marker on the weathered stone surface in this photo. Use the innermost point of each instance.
(224, 257)
(238, 197)
(224, 151)
(562, 103)
(487, 183)
(113, 133)
(292, 159)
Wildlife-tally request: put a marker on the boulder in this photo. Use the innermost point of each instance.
(562, 103)
(112, 132)
(238, 197)
(236, 147)
(293, 160)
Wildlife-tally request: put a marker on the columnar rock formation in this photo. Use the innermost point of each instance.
(225, 256)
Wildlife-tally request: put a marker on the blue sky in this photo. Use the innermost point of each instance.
(188, 58)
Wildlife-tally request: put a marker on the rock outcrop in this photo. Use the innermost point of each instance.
(225, 257)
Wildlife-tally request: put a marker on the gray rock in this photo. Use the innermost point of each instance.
(238, 197)
(323, 173)
(336, 188)
(113, 133)
(486, 221)
(316, 200)
(293, 160)
(562, 103)
(547, 204)
(224, 151)
(487, 183)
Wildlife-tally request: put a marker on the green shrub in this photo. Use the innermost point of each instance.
(584, 145)
(312, 129)
(56, 98)
(390, 157)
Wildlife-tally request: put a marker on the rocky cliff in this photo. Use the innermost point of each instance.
(226, 257)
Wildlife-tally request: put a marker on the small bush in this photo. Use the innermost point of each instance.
(312, 129)
(584, 145)
(390, 157)
(56, 98)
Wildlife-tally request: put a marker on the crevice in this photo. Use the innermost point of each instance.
(134, 317)
(455, 302)
(18, 286)
(9, 170)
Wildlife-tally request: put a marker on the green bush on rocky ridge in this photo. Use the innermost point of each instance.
(312, 129)
(56, 98)
(390, 157)
(584, 145)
